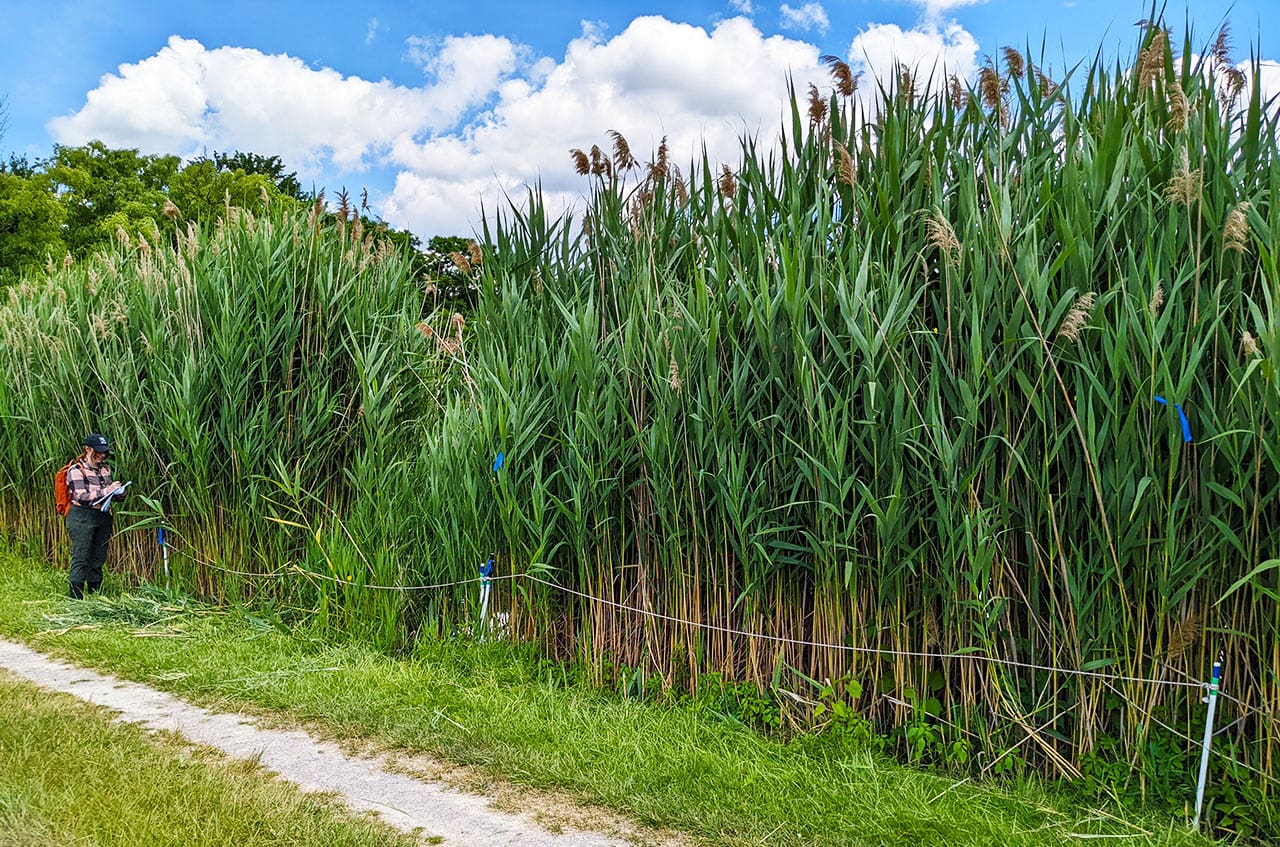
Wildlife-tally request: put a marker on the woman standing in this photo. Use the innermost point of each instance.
(92, 490)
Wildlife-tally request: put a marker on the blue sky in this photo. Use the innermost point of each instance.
(436, 108)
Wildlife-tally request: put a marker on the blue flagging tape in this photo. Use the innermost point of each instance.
(1186, 427)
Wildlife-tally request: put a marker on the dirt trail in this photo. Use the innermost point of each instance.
(363, 784)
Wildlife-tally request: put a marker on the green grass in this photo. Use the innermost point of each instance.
(72, 776)
(484, 707)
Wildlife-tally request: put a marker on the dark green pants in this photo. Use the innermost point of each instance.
(89, 531)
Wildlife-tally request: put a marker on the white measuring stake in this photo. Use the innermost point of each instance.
(1212, 700)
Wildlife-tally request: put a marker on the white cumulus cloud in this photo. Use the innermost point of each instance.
(655, 79)
(934, 10)
(488, 118)
(930, 52)
(187, 99)
(806, 17)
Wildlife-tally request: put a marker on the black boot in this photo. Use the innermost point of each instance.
(93, 587)
(77, 591)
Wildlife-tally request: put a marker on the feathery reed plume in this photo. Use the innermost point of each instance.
(1179, 108)
(906, 83)
(844, 164)
(992, 86)
(728, 183)
(1184, 634)
(673, 376)
(1221, 49)
(1151, 59)
(600, 164)
(171, 210)
(474, 253)
(460, 262)
(122, 236)
(943, 237)
(364, 199)
(1014, 63)
(67, 261)
(1048, 87)
(580, 161)
(1077, 317)
(957, 93)
(1184, 185)
(1249, 345)
(682, 190)
(846, 82)
(817, 106)
(1157, 300)
(658, 169)
(1236, 81)
(622, 158)
(344, 205)
(1235, 233)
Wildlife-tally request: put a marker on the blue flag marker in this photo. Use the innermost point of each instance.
(164, 551)
(497, 462)
(1186, 427)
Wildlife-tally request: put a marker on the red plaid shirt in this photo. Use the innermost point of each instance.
(86, 484)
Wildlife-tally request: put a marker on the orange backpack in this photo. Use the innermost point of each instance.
(61, 494)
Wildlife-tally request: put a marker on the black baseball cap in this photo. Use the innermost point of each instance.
(98, 442)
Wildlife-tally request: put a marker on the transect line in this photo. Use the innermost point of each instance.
(777, 639)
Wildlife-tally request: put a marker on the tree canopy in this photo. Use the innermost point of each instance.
(80, 198)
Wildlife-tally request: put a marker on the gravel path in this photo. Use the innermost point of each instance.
(364, 784)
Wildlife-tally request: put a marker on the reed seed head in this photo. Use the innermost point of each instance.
(846, 82)
(1183, 635)
(943, 237)
(992, 86)
(1151, 59)
(1076, 319)
(1014, 63)
(728, 183)
(1249, 345)
(1157, 300)
(1179, 108)
(1221, 49)
(844, 165)
(622, 158)
(1184, 186)
(956, 91)
(1235, 234)
(817, 106)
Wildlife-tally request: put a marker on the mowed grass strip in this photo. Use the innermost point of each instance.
(485, 707)
(70, 775)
